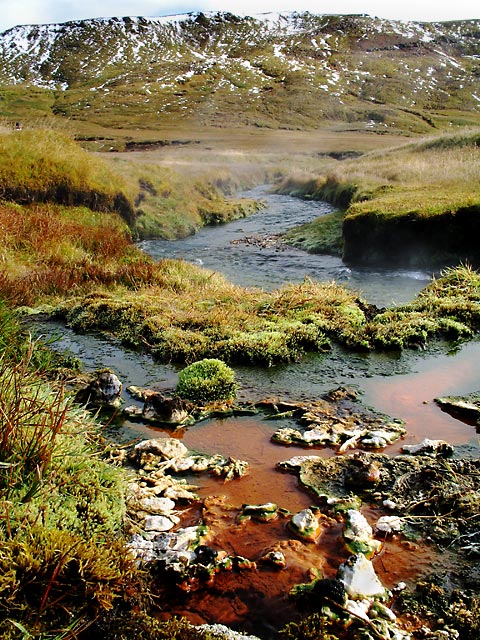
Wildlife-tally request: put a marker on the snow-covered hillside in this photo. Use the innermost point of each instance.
(266, 69)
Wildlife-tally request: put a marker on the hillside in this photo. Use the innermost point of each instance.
(295, 71)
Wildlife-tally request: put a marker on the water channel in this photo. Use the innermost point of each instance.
(401, 385)
(226, 249)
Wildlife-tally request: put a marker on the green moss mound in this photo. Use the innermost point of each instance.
(207, 380)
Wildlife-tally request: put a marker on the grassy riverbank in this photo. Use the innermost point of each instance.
(47, 166)
(417, 204)
(82, 262)
(187, 314)
(66, 248)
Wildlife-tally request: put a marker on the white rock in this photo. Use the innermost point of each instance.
(359, 608)
(167, 448)
(305, 521)
(375, 442)
(296, 461)
(389, 504)
(141, 548)
(220, 632)
(182, 464)
(359, 578)
(388, 436)
(159, 523)
(315, 435)
(389, 524)
(157, 505)
(357, 527)
(186, 538)
(133, 411)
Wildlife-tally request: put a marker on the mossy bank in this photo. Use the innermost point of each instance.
(417, 205)
(48, 166)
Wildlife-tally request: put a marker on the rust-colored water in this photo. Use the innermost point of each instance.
(410, 397)
(257, 601)
(250, 439)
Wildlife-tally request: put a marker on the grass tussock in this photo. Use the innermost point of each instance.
(48, 166)
(323, 235)
(62, 555)
(193, 314)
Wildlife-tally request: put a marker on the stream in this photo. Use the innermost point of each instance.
(225, 249)
(400, 385)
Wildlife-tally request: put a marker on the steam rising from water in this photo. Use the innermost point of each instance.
(246, 253)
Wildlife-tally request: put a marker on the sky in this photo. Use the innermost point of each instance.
(48, 11)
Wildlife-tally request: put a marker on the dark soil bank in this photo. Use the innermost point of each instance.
(413, 241)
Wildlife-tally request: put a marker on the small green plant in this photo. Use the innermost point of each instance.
(313, 627)
(207, 380)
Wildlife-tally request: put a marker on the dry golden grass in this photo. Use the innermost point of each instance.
(427, 177)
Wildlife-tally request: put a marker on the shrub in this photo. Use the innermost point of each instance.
(207, 380)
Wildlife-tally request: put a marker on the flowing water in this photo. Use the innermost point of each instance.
(230, 250)
(401, 385)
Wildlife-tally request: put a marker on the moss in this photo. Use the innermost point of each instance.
(46, 572)
(141, 626)
(313, 627)
(323, 235)
(206, 381)
(433, 598)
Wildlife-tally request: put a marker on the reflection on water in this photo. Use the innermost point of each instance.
(401, 385)
(411, 396)
(221, 249)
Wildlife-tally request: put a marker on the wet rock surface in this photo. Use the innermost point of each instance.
(101, 388)
(192, 559)
(162, 455)
(430, 497)
(160, 408)
(337, 420)
(167, 408)
(432, 448)
(266, 241)
(467, 407)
